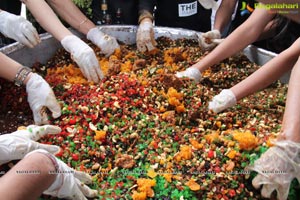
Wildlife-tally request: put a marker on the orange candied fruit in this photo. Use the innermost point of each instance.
(68, 73)
(246, 139)
(210, 138)
(193, 185)
(100, 135)
(144, 186)
(139, 195)
(185, 153)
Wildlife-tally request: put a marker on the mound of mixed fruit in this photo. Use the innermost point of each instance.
(142, 133)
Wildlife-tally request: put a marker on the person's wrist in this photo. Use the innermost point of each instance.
(22, 76)
(27, 78)
(144, 14)
(146, 20)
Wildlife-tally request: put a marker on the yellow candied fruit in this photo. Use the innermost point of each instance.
(168, 114)
(185, 153)
(130, 55)
(151, 173)
(100, 135)
(145, 185)
(104, 63)
(196, 144)
(246, 139)
(20, 128)
(173, 101)
(162, 109)
(212, 137)
(193, 185)
(172, 92)
(231, 154)
(270, 142)
(126, 67)
(118, 53)
(168, 177)
(160, 71)
(69, 73)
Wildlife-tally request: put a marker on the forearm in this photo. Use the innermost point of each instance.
(291, 118)
(223, 15)
(47, 18)
(9, 68)
(268, 73)
(244, 35)
(72, 15)
(30, 178)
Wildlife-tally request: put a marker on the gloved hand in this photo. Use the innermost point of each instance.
(69, 183)
(41, 95)
(276, 168)
(106, 43)
(210, 39)
(209, 4)
(222, 101)
(145, 37)
(16, 145)
(19, 29)
(191, 72)
(84, 56)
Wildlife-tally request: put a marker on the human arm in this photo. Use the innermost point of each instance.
(223, 14)
(71, 14)
(244, 35)
(30, 178)
(258, 80)
(50, 176)
(18, 28)
(280, 164)
(211, 39)
(81, 53)
(145, 39)
(39, 92)
(291, 119)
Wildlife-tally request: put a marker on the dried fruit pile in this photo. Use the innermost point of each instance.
(142, 133)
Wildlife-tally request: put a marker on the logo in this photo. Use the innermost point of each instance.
(280, 8)
(246, 9)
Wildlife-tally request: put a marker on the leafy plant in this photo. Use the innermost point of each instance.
(85, 6)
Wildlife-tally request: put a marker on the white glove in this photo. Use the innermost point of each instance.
(222, 101)
(276, 168)
(19, 29)
(106, 43)
(41, 95)
(84, 56)
(191, 72)
(145, 37)
(16, 145)
(210, 39)
(209, 4)
(69, 183)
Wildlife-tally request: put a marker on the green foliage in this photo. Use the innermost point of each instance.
(85, 6)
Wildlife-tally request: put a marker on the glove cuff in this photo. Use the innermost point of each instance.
(217, 33)
(93, 32)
